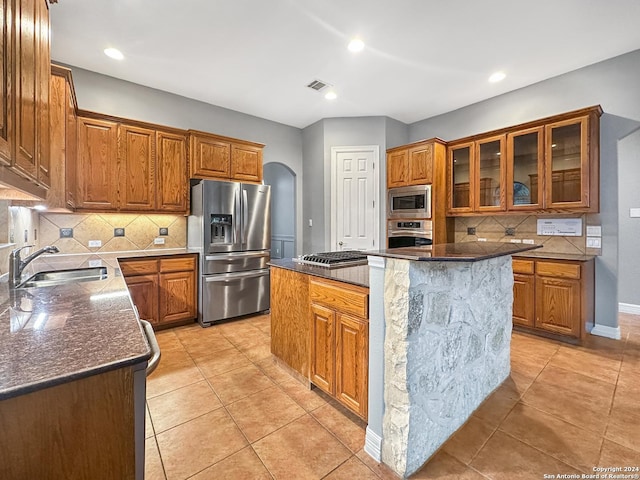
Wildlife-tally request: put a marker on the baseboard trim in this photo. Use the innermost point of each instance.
(604, 331)
(629, 308)
(373, 445)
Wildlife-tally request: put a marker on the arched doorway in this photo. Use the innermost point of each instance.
(283, 209)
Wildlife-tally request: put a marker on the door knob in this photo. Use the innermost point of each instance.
(340, 243)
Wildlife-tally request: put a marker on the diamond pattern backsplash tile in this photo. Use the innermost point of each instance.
(493, 229)
(140, 231)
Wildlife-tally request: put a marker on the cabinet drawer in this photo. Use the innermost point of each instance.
(179, 264)
(562, 270)
(138, 267)
(340, 297)
(522, 266)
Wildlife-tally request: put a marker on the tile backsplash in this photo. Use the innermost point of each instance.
(525, 227)
(139, 231)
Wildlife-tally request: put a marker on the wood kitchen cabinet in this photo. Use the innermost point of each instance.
(554, 297)
(549, 165)
(63, 128)
(413, 164)
(136, 182)
(222, 158)
(339, 331)
(163, 289)
(171, 172)
(24, 129)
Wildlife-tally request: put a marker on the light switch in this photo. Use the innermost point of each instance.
(95, 243)
(158, 241)
(634, 212)
(594, 242)
(594, 231)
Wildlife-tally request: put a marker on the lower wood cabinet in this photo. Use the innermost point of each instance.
(555, 297)
(339, 353)
(163, 289)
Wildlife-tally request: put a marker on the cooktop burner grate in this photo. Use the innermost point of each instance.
(334, 259)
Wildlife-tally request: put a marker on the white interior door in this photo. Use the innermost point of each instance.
(354, 205)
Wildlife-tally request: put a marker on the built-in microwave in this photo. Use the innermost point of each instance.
(409, 202)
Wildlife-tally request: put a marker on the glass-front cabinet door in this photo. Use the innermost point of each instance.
(525, 169)
(489, 192)
(567, 166)
(460, 172)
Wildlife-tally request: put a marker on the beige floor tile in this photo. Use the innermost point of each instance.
(497, 406)
(247, 339)
(468, 440)
(258, 352)
(518, 382)
(352, 469)
(260, 414)
(568, 443)
(624, 424)
(243, 465)
(274, 371)
(193, 446)
(167, 380)
(443, 466)
(614, 454)
(505, 458)
(223, 361)
(148, 425)
(306, 398)
(182, 405)
(304, 449)
(346, 426)
(587, 363)
(239, 383)
(380, 469)
(152, 463)
(168, 340)
(206, 348)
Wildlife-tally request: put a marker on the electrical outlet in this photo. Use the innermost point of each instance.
(158, 241)
(510, 231)
(95, 263)
(95, 243)
(528, 241)
(594, 242)
(164, 231)
(482, 239)
(471, 230)
(515, 240)
(118, 232)
(66, 233)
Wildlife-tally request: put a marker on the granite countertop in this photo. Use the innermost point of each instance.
(355, 275)
(455, 252)
(52, 335)
(541, 254)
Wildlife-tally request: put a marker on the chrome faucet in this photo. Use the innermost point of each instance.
(17, 265)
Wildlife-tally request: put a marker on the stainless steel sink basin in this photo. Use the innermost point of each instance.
(60, 277)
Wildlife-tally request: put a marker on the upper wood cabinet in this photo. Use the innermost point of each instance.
(545, 166)
(222, 158)
(411, 164)
(24, 128)
(97, 167)
(171, 171)
(137, 176)
(63, 146)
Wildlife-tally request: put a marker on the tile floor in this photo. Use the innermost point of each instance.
(220, 408)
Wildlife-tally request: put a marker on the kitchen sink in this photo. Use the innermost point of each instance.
(60, 277)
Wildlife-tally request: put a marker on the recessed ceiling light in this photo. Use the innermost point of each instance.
(330, 95)
(356, 45)
(497, 77)
(113, 53)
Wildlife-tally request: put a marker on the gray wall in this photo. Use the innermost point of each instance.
(313, 188)
(283, 213)
(112, 96)
(613, 85)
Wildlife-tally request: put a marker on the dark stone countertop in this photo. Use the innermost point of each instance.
(52, 335)
(355, 275)
(455, 252)
(542, 255)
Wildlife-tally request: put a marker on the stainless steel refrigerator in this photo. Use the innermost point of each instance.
(230, 226)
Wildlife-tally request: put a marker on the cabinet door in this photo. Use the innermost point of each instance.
(567, 166)
(56, 196)
(460, 172)
(6, 63)
(43, 81)
(26, 86)
(144, 293)
(524, 300)
(97, 164)
(246, 163)
(488, 185)
(397, 168)
(177, 296)
(421, 165)
(352, 363)
(137, 175)
(558, 305)
(323, 348)
(209, 157)
(525, 169)
(171, 172)
(71, 154)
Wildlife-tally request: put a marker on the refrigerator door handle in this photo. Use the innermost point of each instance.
(236, 255)
(244, 214)
(237, 221)
(234, 276)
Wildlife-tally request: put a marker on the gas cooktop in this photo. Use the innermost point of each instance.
(344, 258)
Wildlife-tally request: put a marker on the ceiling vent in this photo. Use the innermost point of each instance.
(318, 85)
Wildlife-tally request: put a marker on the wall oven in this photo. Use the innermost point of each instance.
(409, 233)
(409, 202)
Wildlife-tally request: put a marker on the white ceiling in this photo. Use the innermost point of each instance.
(422, 57)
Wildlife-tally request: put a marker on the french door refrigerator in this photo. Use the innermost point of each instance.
(230, 226)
